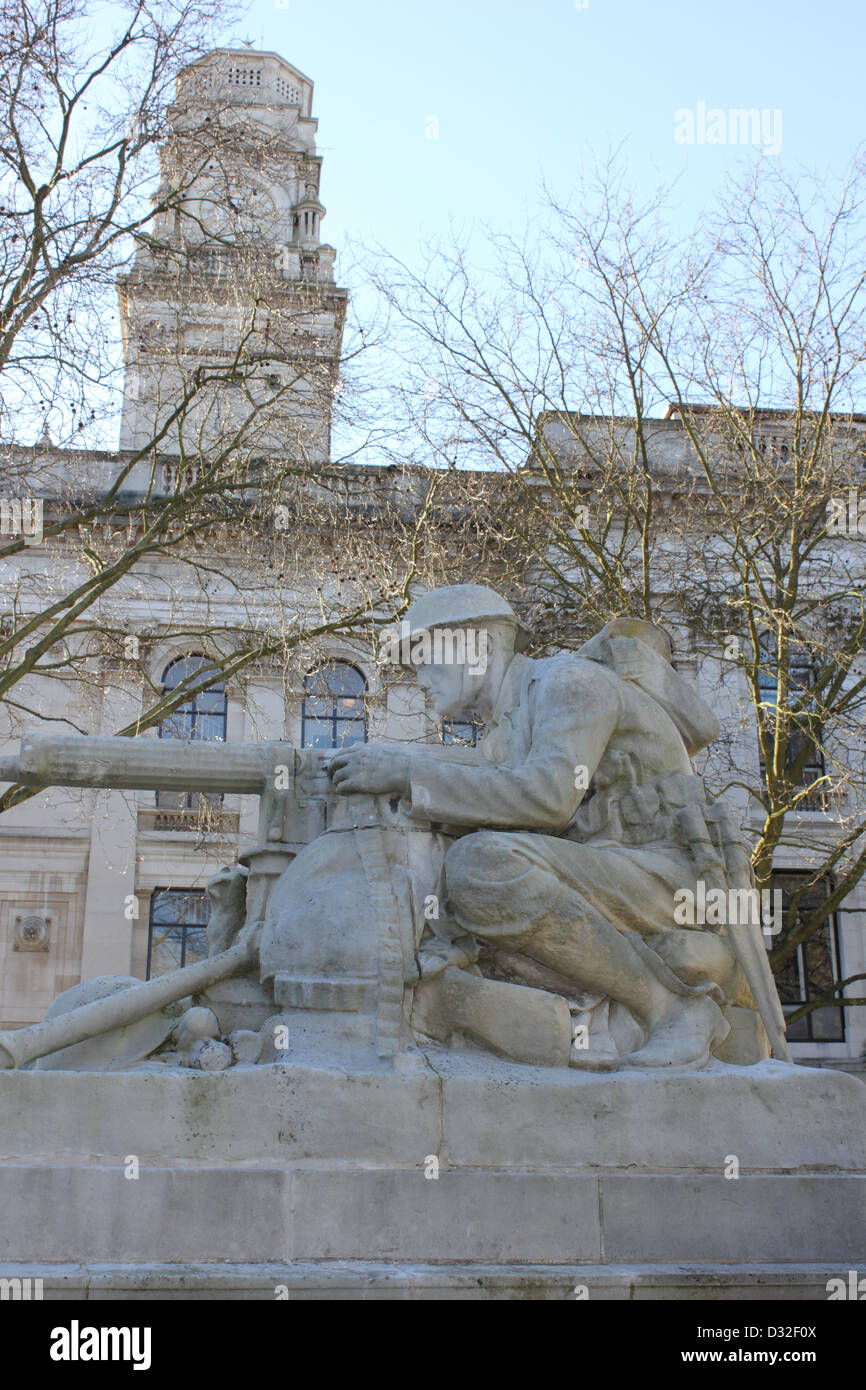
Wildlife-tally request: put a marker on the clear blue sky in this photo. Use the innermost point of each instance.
(525, 88)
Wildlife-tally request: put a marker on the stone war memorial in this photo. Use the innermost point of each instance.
(451, 1039)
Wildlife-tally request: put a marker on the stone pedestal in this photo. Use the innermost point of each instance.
(287, 1180)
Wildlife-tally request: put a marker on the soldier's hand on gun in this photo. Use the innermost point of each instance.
(366, 767)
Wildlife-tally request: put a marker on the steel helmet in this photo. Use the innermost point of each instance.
(456, 605)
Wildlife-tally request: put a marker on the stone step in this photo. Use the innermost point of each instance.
(59, 1213)
(383, 1280)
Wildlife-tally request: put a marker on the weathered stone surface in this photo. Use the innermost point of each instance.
(118, 1047)
(73, 1212)
(747, 1039)
(459, 1216)
(651, 1121)
(248, 1113)
(807, 1217)
(539, 1172)
(258, 1214)
(472, 1112)
(528, 1025)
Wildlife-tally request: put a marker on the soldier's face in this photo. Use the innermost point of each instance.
(448, 686)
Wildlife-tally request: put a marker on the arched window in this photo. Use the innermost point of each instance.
(202, 718)
(334, 713)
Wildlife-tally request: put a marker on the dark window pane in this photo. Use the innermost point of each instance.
(814, 968)
(318, 704)
(801, 675)
(166, 949)
(176, 673)
(167, 909)
(333, 714)
(318, 733)
(185, 667)
(346, 734)
(827, 1025)
(177, 936)
(799, 1031)
(345, 680)
(354, 718)
(212, 701)
(180, 905)
(201, 719)
(316, 684)
(337, 678)
(195, 945)
(461, 731)
(210, 728)
(818, 962)
(789, 981)
(203, 716)
(178, 724)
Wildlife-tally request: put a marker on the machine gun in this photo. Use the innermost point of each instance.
(292, 783)
(295, 803)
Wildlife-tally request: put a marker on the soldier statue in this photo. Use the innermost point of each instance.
(516, 896)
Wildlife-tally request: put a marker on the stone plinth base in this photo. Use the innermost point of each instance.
(322, 1183)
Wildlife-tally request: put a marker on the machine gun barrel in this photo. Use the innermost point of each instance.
(22, 1045)
(162, 764)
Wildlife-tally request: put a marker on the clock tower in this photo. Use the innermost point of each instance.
(231, 320)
